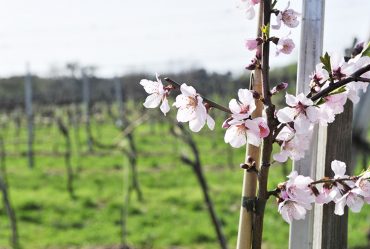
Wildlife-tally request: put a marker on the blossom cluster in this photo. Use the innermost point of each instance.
(240, 126)
(296, 195)
(301, 113)
(334, 81)
(288, 17)
(191, 107)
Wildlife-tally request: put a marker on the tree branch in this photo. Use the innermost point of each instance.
(356, 76)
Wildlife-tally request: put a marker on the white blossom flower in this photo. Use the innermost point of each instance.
(352, 200)
(243, 108)
(292, 145)
(288, 16)
(339, 68)
(191, 109)
(318, 77)
(248, 7)
(333, 105)
(299, 106)
(339, 169)
(241, 131)
(363, 185)
(353, 88)
(157, 93)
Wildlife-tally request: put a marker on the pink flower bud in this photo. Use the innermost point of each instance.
(226, 124)
(278, 88)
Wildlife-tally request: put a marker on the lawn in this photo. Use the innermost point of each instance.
(172, 214)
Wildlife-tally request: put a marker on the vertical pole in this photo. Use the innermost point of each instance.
(301, 231)
(86, 103)
(29, 114)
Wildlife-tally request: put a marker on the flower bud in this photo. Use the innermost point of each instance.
(357, 49)
(278, 88)
(226, 124)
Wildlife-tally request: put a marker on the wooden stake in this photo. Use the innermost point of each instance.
(249, 189)
(250, 178)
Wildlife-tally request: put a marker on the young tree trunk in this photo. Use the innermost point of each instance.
(132, 156)
(6, 201)
(67, 157)
(197, 169)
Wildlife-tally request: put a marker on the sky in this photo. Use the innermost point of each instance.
(121, 36)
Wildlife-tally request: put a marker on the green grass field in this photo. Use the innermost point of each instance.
(172, 215)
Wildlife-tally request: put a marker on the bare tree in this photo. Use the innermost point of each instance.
(196, 166)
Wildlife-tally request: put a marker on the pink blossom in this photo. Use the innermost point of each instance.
(191, 109)
(288, 16)
(325, 196)
(285, 46)
(157, 94)
(243, 108)
(297, 188)
(241, 131)
(292, 210)
(252, 44)
(263, 127)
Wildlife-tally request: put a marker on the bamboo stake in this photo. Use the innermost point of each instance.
(250, 178)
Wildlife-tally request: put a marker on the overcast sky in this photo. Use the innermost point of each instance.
(148, 35)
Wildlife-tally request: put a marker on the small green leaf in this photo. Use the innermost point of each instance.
(265, 31)
(367, 50)
(326, 61)
(320, 101)
(341, 89)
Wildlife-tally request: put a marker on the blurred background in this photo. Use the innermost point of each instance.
(83, 165)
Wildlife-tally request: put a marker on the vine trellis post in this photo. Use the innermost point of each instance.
(87, 105)
(311, 48)
(29, 114)
(321, 228)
